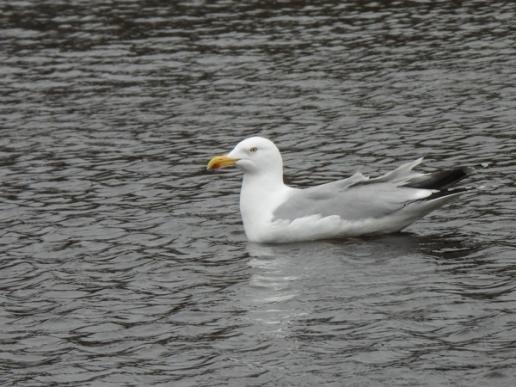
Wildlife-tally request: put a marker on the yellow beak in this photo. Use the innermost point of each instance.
(221, 162)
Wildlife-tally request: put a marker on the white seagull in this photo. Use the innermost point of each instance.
(273, 212)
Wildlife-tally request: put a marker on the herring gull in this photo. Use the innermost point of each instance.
(273, 212)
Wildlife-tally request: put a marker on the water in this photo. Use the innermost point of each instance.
(123, 262)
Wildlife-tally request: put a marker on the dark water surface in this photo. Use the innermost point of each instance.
(123, 262)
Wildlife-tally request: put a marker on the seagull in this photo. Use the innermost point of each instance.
(273, 212)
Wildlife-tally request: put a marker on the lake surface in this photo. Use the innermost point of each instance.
(123, 262)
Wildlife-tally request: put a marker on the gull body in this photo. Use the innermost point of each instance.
(273, 212)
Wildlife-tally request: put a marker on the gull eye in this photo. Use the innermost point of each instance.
(253, 149)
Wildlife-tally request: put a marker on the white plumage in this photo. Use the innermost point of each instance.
(273, 212)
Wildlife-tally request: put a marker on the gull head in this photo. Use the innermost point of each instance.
(254, 155)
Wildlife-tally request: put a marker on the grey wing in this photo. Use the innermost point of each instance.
(402, 173)
(354, 198)
(363, 201)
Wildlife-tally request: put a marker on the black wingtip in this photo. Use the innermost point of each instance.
(440, 180)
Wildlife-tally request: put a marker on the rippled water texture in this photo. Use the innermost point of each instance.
(123, 262)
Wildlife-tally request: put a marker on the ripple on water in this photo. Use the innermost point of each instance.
(124, 262)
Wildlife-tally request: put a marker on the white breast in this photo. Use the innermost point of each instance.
(258, 200)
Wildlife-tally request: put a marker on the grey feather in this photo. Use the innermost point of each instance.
(360, 201)
(357, 197)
